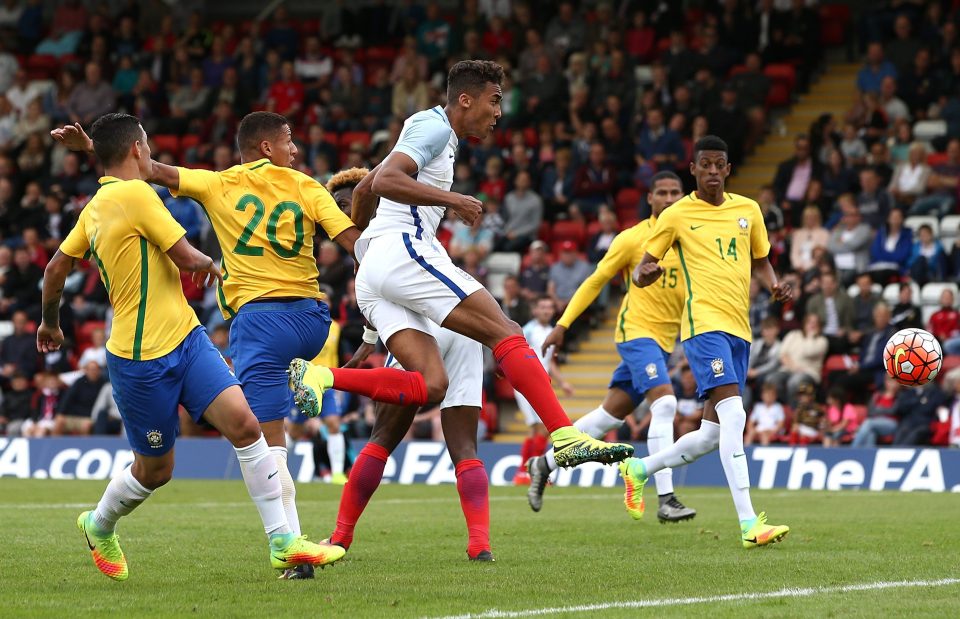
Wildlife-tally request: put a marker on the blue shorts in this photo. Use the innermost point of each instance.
(264, 339)
(148, 392)
(643, 367)
(328, 407)
(717, 358)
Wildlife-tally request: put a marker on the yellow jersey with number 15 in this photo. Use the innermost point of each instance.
(716, 246)
(265, 218)
(126, 230)
(652, 312)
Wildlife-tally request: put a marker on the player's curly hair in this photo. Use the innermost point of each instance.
(471, 76)
(346, 179)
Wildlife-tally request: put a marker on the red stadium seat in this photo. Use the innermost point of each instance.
(628, 198)
(593, 228)
(546, 232)
(737, 70)
(169, 143)
(782, 73)
(834, 20)
(569, 231)
(937, 159)
(85, 332)
(349, 138)
(41, 66)
(838, 363)
(189, 141)
(779, 95)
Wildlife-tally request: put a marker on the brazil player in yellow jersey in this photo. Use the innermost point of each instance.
(647, 328)
(158, 354)
(720, 239)
(265, 215)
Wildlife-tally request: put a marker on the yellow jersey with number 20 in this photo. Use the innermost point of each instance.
(716, 246)
(126, 230)
(265, 218)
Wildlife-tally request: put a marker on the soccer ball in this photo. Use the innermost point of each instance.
(912, 357)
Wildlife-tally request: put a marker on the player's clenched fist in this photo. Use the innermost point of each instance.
(647, 273)
(467, 208)
(782, 292)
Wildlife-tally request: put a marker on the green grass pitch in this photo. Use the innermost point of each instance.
(196, 549)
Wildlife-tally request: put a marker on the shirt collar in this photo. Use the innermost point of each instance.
(106, 180)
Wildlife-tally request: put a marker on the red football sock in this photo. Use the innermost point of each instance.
(523, 369)
(526, 451)
(383, 385)
(473, 487)
(364, 480)
(538, 445)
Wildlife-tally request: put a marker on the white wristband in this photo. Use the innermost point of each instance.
(370, 336)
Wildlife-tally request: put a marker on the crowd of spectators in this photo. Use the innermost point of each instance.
(599, 96)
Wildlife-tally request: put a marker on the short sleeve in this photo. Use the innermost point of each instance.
(322, 208)
(153, 221)
(664, 235)
(423, 139)
(759, 242)
(76, 244)
(198, 184)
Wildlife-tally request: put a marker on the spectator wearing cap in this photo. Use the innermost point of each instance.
(524, 212)
(875, 69)
(566, 274)
(535, 277)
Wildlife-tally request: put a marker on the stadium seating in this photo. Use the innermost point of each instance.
(891, 293)
(915, 221)
(930, 293)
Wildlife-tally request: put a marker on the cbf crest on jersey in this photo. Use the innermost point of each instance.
(742, 222)
(717, 366)
(155, 439)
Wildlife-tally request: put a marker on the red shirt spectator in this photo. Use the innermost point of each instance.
(498, 39)
(286, 95)
(945, 322)
(641, 39)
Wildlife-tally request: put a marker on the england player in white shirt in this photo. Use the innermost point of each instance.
(406, 278)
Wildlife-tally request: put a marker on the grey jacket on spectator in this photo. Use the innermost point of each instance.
(851, 248)
(524, 213)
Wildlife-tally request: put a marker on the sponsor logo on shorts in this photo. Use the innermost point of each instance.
(717, 366)
(651, 370)
(155, 439)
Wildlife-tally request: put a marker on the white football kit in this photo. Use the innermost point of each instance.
(536, 334)
(463, 360)
(406, 278)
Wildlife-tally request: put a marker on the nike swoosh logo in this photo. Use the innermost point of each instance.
(743, 455)
(684, 458)
(123, 503)
(697, 227)
(270, 476)
(752, 540)
(87, 537)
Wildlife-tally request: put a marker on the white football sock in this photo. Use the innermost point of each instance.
(261, 474)
(688, 448)
(732, 421)
(337, 450)
(660, 437)
(596, 423)
(288, 492)
(123, 494)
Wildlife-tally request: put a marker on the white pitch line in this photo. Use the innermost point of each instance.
(733, 597)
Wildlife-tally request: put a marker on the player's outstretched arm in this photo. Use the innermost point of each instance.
(647, 272)
(395, 181)
(49, 335)
(76, 139)
(189, 259)
(763, 271)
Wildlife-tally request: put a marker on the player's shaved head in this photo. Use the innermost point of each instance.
(113, 135)
(257, 127)
(471, 77)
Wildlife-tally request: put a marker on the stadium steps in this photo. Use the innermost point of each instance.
(588, 370)
(832, 93)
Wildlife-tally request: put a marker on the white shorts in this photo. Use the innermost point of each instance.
(530, 416)
(404, 283)
(463, 360)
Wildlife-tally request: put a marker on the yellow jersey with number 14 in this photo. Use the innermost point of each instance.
(126, 230)
(265, 218)
(652, 312)
(716, 246)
